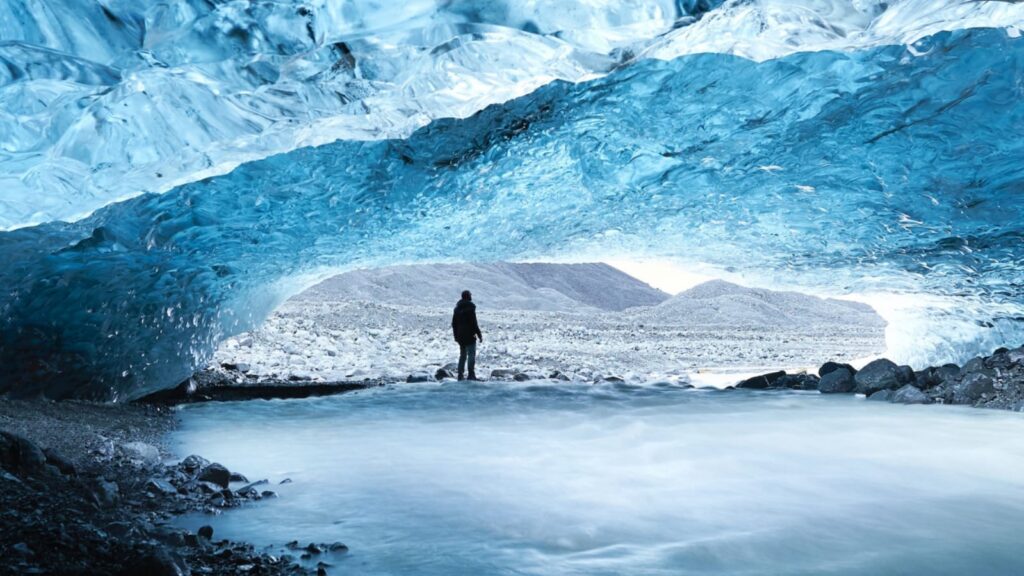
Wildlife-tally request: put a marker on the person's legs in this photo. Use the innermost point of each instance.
(471, 353)
(462, 361)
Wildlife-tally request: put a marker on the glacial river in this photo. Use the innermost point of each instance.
(495, 478)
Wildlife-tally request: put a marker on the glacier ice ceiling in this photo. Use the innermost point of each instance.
(167, 169)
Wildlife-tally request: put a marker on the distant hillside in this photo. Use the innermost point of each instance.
(507, 286)
(721, 303)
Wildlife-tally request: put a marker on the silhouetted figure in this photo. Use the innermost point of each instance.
(466, 332)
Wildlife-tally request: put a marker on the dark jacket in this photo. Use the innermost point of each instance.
(464, 325)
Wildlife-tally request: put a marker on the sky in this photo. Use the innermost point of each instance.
(661, 274)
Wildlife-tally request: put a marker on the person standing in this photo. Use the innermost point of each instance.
(467, 333)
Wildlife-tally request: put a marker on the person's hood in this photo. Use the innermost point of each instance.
(464, 304)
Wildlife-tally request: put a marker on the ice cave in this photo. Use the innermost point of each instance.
(172, 171)
(739, 286)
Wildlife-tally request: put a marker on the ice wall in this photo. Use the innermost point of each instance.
(896, 168)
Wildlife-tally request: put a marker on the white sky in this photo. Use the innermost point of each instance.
(661, 274)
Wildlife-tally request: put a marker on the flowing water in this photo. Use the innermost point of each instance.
(612, 479)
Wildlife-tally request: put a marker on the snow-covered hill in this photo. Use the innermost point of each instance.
(501, 285)
(721, 303)
(581, 319)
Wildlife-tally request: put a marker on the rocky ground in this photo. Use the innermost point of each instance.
(88, 489)
(995, 381)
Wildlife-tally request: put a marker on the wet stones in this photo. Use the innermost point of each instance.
(215, 474)
(780, 379)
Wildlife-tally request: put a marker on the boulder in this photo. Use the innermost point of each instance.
(910, 394)
(194, 463)
(205, 532)
(216, 474)
(905, 375)
(1016, 355)
(947, 373)
(145, 453)
(419, 377)
(972, 388)
(522, 377)
(838, 381)
(830, 366)
(443, 374)
(927, 378)
(881, 396)
(58, 461)
(20, 455)
(801, 381)
(976, 364)
(762, 381)
(881, 374)
(160, 486)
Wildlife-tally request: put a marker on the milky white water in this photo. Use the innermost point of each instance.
(578, 479)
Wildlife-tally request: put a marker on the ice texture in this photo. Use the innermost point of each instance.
(102, 101)
(892, 169)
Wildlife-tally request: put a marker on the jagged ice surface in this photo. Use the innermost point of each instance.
(889, 168)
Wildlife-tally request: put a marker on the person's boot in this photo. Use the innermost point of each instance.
(473, 377)
(460, 377)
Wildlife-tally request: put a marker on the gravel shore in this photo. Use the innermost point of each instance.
(92, 489)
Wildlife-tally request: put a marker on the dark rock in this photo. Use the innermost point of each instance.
(236, 477)
(337, 547)
(838, 381)
(443, 374)
(976, 364)
(312, 548)
(321, 571)
(65, 466)
(557, 375)
(216, 474)
(522, 377)
(160, 486)
(927, 378)
(612, 379)
(881, 374)
(105, 493)
(973, 387)
(801, 381)
(20, 455)
(881, 395)
(830, 366)
(905, 375)
(285, 481)
(156, 562)
(419, 377)
(194, 463)
(268, 494)
(947, 373)
(910, 394)
(762, 381)
(205, 532)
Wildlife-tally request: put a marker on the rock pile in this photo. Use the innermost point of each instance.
(100, 505)
(995, 381)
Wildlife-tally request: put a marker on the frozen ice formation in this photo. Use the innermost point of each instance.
(106, 100)
(160, 192)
